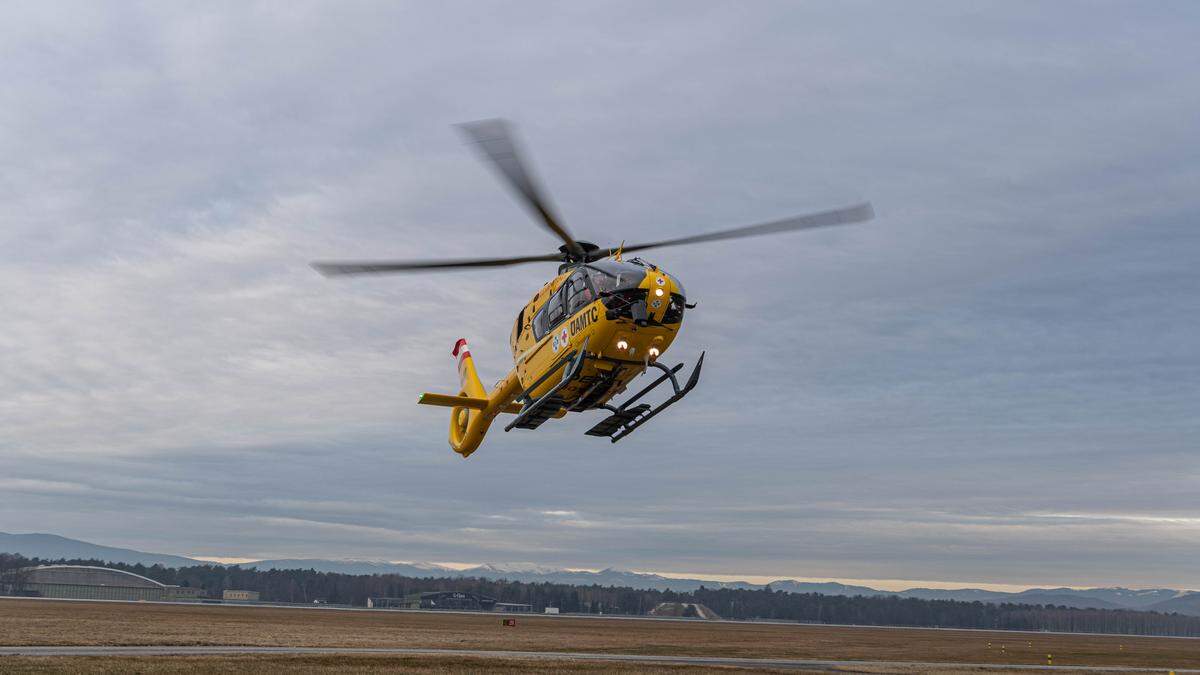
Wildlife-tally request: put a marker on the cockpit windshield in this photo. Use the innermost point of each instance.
(610, 276)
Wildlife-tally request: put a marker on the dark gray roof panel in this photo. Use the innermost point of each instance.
(80, 575)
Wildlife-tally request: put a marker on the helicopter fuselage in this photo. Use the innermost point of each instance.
(576, 344)
(623, 314)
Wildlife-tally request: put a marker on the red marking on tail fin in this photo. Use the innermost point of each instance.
(461, 344)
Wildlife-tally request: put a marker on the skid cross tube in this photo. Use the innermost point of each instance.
(628, 416)
(669, 373)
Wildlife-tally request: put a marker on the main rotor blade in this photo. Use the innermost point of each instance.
(844, 216)
(330, 269)
(496, 143)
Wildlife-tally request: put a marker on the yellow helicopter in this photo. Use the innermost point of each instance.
(580, 341)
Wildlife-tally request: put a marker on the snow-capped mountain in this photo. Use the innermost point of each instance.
(351, 566)
(823, 588)
(605, 577)
(1187, 602)
(514, 568)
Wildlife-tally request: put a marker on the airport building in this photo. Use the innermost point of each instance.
(449, 600)
(513, 607)
(452, 600)
(386, 603)
(92, 583)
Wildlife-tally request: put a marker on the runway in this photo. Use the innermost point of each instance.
(779, 664)
(593, 617)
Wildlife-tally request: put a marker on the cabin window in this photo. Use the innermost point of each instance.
(540, 325)
(517, 328)
(554, 310)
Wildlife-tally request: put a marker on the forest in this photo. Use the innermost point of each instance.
(309, 586)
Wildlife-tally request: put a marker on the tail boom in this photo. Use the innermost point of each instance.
(473, 408)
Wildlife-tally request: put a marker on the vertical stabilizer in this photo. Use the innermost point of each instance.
(467, 377)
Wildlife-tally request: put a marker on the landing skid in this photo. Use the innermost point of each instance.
(628, 416)
(623, 419)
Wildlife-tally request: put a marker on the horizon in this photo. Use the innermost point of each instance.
(877, 584)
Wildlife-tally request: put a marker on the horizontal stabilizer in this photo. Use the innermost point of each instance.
(453, 401)
(471, 402)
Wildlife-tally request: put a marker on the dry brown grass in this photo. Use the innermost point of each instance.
(369, 665)
(354, 664)
(37, 622)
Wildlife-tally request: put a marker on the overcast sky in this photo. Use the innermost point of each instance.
(995, 381)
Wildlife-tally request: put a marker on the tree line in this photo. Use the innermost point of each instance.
(308, 586)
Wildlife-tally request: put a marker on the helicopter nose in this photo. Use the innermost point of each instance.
(638, 312)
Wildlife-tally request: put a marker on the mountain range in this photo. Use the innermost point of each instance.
(51, 546)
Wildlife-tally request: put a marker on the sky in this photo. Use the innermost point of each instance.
(995, 381)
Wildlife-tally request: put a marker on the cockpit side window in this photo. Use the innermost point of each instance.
(678, 286)
(577, 292)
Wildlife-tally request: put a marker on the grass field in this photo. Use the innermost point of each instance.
(371, 665)
(36, 622)
(433, 665)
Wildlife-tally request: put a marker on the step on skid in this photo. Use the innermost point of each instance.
(535, 412)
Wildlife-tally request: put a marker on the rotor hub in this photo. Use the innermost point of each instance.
(569, 257)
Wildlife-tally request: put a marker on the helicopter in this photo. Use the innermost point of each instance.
(580, 341)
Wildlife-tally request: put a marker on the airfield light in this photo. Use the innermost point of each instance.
(658, 292)
(622, 345)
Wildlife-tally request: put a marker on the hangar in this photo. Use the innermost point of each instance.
(449, 600)
(92, 583)
(454, 600)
